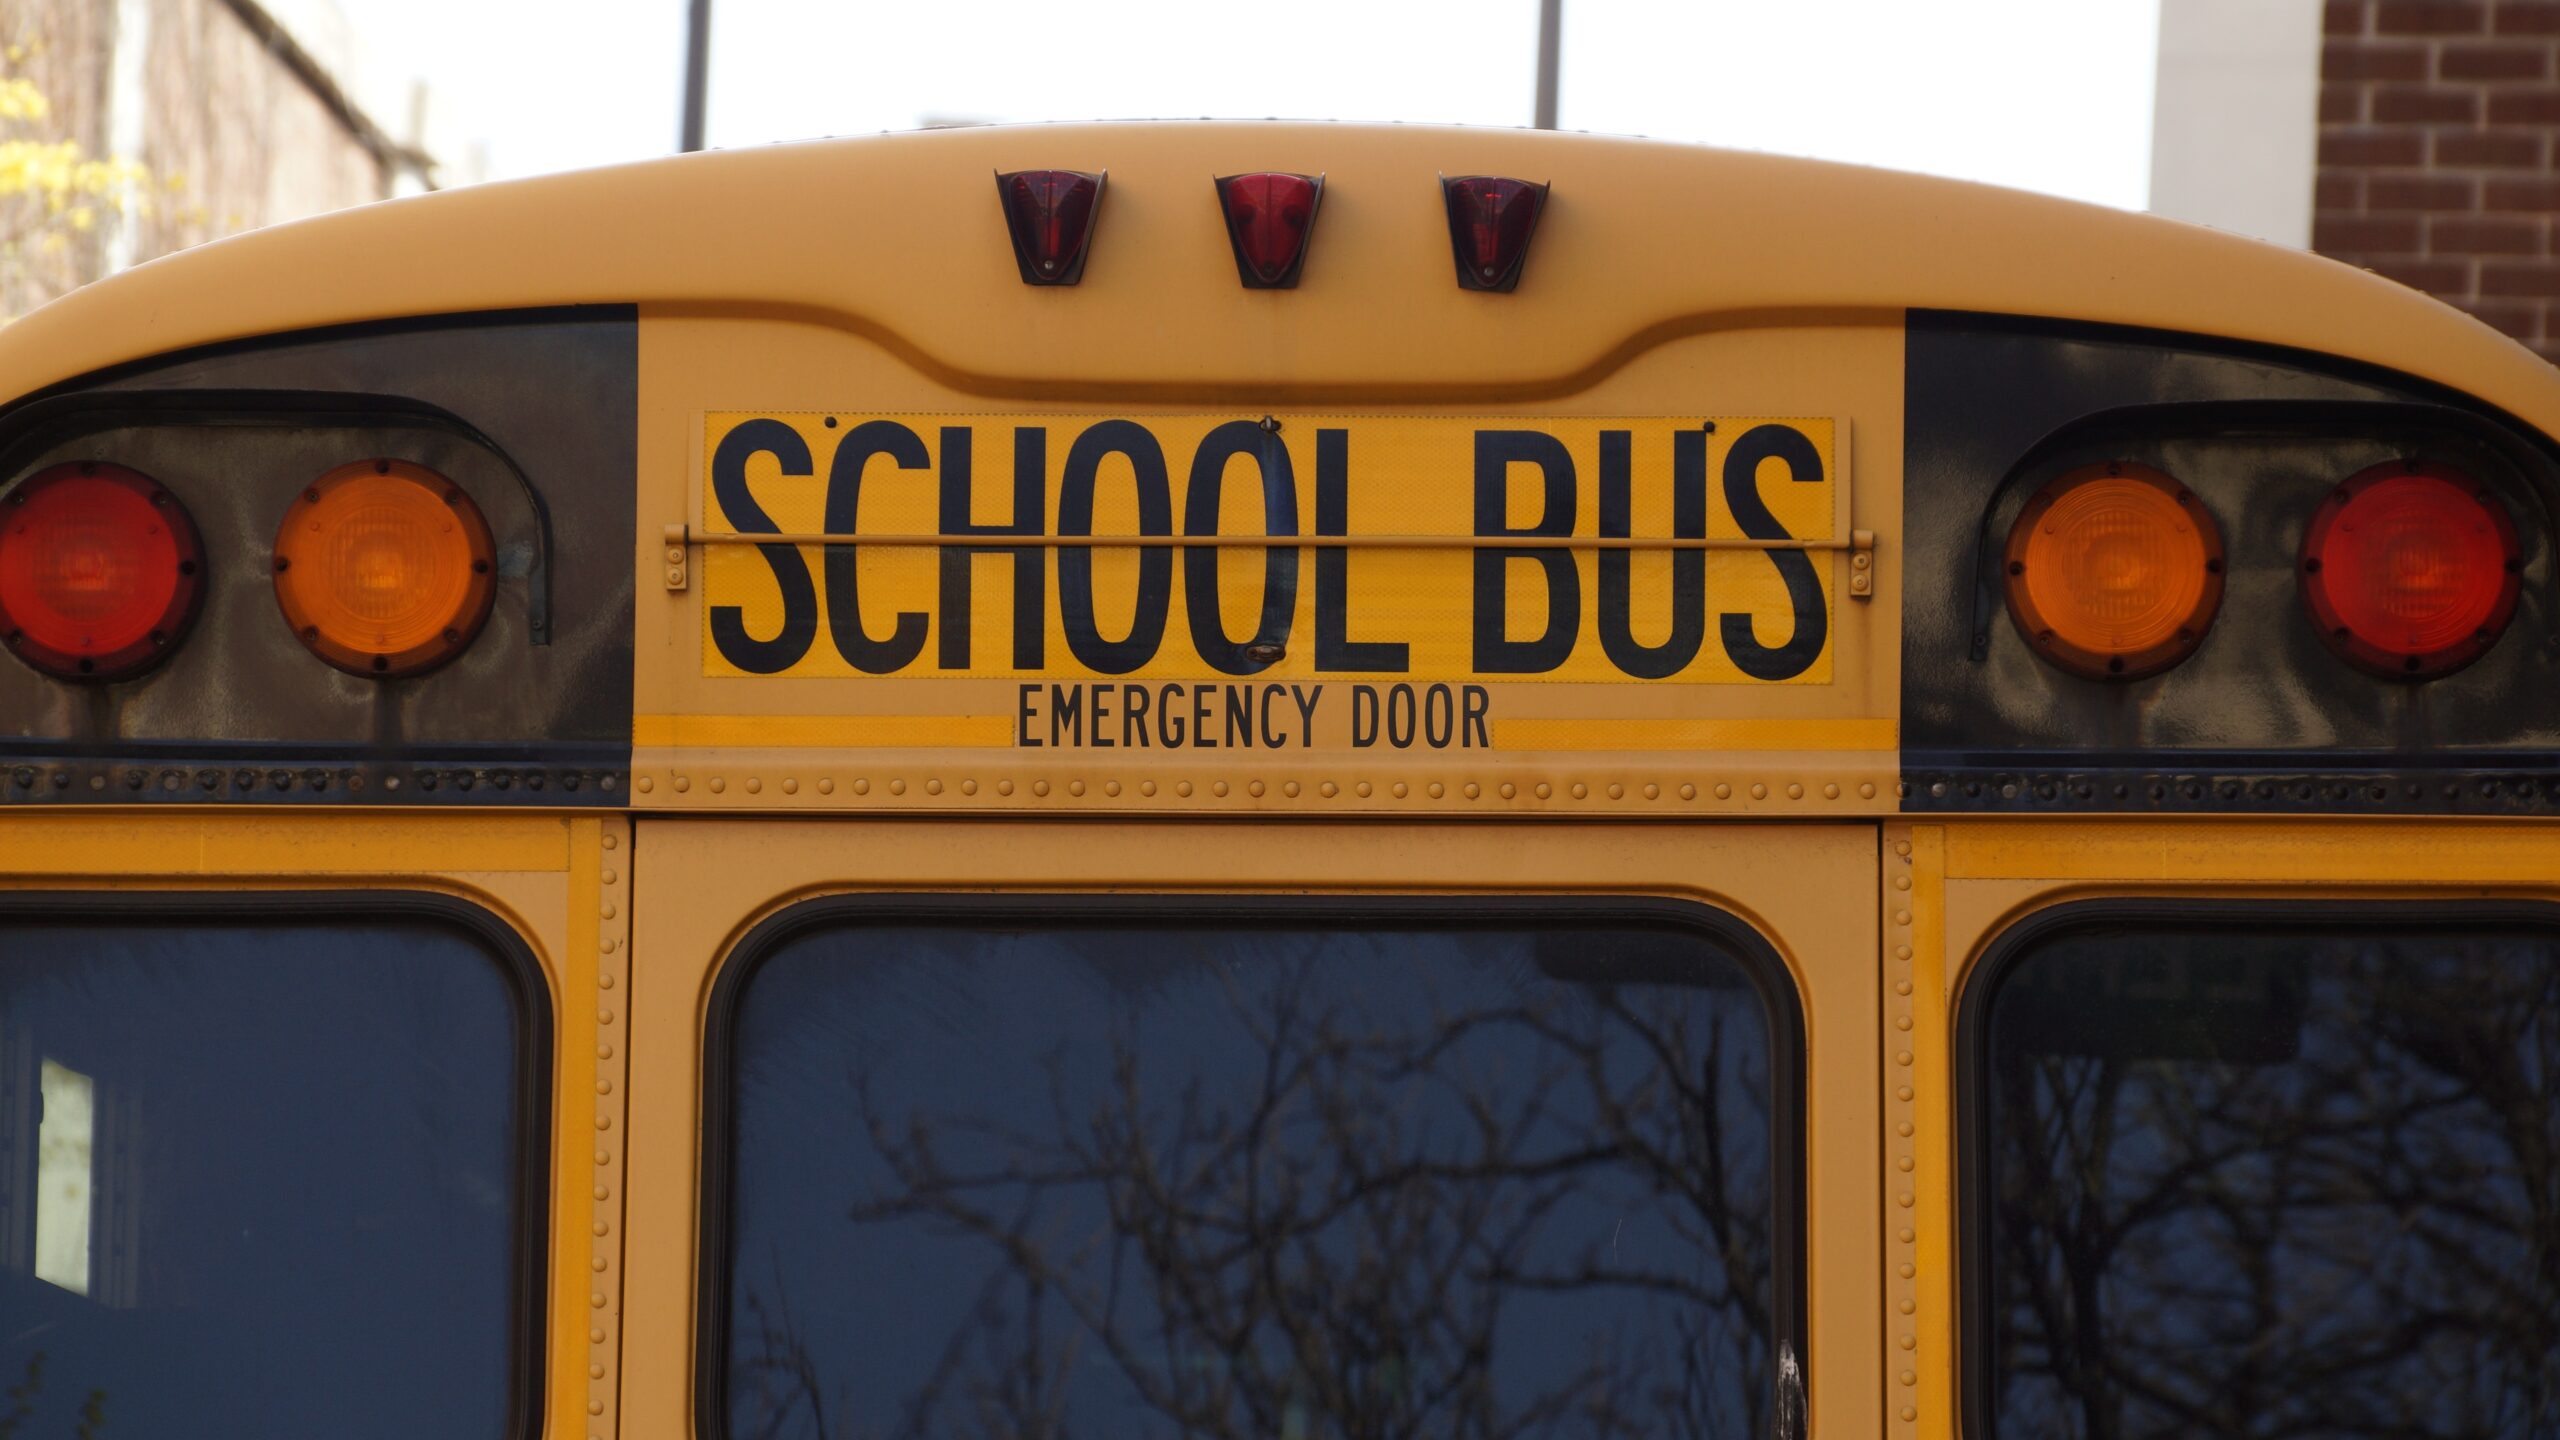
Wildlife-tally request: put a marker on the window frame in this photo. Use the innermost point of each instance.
(529, 1261)
(2020, 940)
(1781, 1001)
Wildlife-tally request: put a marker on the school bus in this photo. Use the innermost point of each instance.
(1274, 780)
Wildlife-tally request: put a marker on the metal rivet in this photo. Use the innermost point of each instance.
(1830, 792)
(1328, 789)
(828, 787)
(1438, 789)
(1474, 790)
(1400, 789)
(604, 982)
(1075, 787)
(1901, 987)
(1148, 787)
(1004, 787)
(1182, 788)
(1508, 791)
(683, 784)
(931, 787)
(1363, 788)
(604, 1017)
(608, 877)
(1902, 1057)
(1254, 789)
(1903, 1164)
(1290, 789)
(1903, 1129)
(1904, 1093)
(1039, 787)
(1867, 791)
(968, 787)
(602, 1193)
(604, 1052)
(1901, 952)
(754, 786)
(1112, 787)
(1901, 847)
(1907, 1268)
(597, 1264)
(1580, 790)
(1653, 792)
(1219, 789)
(608, 909)
(1688, 792)
(1724, 792)
(896, 787)
(1901, 1022)
(604, 1122)
(595, 1337)
(790, 787)
(1759, 792)
(646, 784)
(1617, 792)
(1901, 917)
(718, 785)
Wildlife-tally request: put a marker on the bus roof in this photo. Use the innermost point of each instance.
(897, 238)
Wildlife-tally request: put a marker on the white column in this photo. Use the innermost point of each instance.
(2235, 119)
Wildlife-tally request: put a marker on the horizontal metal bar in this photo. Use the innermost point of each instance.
(1260, 542)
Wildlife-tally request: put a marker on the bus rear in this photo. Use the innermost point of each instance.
(1258, 779)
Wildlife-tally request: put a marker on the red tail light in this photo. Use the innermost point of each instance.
(1050, 215)
(2411, 570)
(1490, 221)
(1269, 217)
(100, 571)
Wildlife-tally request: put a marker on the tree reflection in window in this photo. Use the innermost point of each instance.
(1254, 1183)
(2260, 1183)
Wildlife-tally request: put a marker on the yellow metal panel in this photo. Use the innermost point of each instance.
(918, 743)
(898, 239)
(275, 842)
(2224, 852)
(718, 877)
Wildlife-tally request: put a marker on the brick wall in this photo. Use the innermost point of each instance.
(2440, 153)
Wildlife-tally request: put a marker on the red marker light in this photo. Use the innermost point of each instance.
(1050, 216)
(100, 571)
(1490, 221)
(1269, 216)
(2410, 570)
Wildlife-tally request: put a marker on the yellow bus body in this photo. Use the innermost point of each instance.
(872, 276)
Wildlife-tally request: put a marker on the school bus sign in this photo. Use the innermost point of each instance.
(1113, 563)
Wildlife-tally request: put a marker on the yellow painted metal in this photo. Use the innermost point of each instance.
(896, 240)
(712, 879)
(544, 876)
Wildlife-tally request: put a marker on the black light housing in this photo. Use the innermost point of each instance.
(1050, 215)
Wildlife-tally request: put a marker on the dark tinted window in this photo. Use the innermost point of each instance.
(1271, 1180)
(2251, 1181)
(258, 1180)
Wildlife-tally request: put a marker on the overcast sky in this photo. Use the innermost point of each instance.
(2051, 95)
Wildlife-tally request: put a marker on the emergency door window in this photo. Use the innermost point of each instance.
(2243, 1179)
(260, 1179)
(1291, 1176)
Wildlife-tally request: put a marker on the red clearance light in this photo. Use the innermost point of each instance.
(1269, 216)
(1490, 221)
(1050, 214)
(100, 571)
(2411, 570)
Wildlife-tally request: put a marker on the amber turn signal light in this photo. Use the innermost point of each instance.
(2411, 570)
(2114, 571)
(385, 568)
(101, 571)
